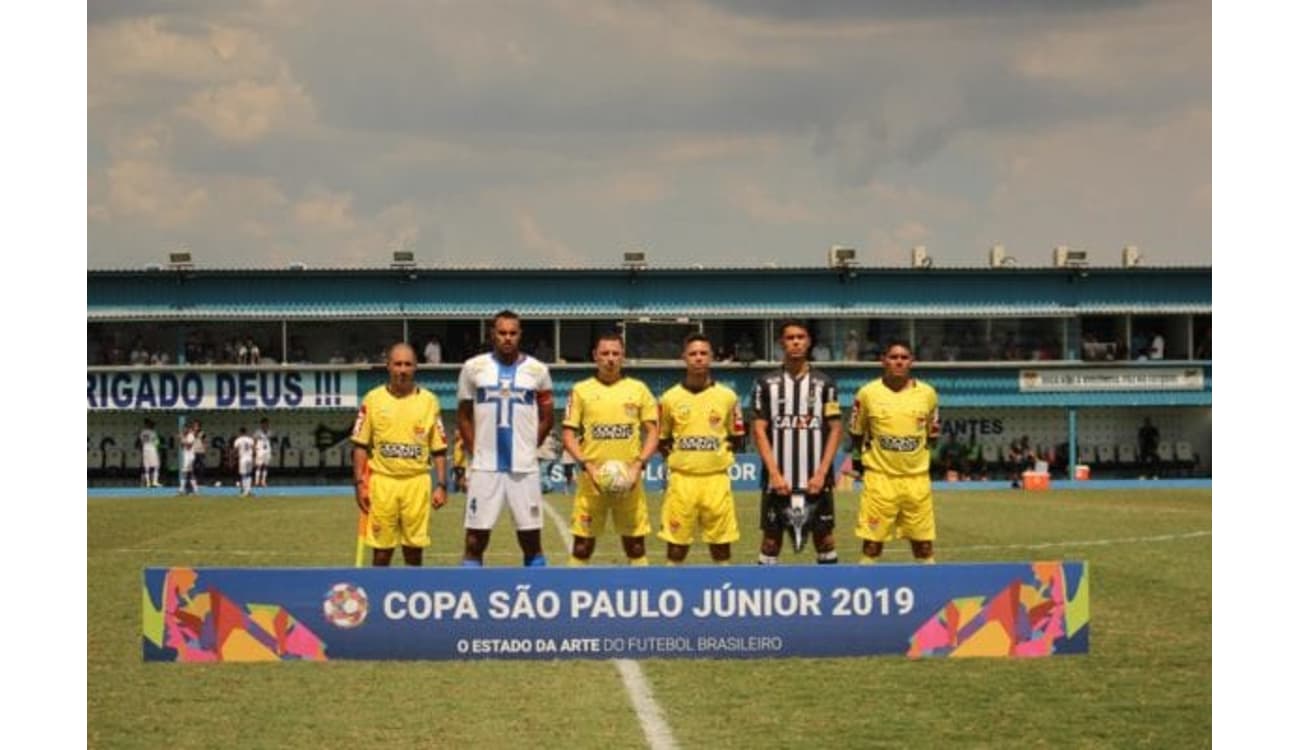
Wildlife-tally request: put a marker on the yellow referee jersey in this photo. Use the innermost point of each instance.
(698, 423)
(898, 425)
(608, 418)
(401, 433)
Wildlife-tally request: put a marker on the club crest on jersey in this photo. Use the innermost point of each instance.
(715, 419)
(682, 412)
(631, 410)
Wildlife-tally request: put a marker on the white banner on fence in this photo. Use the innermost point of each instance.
(111, 390)
(1114, 379)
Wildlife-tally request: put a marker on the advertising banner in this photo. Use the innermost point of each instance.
(108, 390)
(1114, 379)
(746, 611)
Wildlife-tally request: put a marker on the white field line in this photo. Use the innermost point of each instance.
(657, 732)
(569, 540)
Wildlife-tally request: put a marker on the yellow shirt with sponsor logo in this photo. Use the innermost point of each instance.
(898, 425)
(608, 418)
(401, 433)
(698, 423)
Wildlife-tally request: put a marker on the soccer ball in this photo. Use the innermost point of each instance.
(613, 478)
(216, 483)
(345, 605)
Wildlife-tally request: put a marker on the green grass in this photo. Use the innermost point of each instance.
(1146, 682)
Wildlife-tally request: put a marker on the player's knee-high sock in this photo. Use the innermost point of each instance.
(577, 562)
(828, 558)
(766, 559)
(639, 562)
(925, 560)
(867, 560)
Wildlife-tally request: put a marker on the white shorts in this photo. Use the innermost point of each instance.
(262, 461)
(149, 459)
(187, 463)
(487, 491)
(245, 466)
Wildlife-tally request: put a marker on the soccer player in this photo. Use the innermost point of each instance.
(894, 417)
(261, 453)
(699, 423)
(187, 439)
(397, 430)
(458, 463)
(615, 418)
(245, 447)
(505, 413)
(797, 431)
(149, 458)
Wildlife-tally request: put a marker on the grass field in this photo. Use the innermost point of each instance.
(1146, 682)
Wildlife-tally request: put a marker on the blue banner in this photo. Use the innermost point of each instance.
(745, 473)
(993, 609)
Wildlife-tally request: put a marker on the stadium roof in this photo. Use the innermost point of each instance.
(650, 293)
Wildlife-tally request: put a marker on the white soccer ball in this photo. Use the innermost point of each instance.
(345, 605)
(216, 484)
(613, 478)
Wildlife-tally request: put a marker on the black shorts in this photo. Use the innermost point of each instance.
(773, 516)
(568, 471)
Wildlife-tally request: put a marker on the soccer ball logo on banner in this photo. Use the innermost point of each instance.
(346, 605)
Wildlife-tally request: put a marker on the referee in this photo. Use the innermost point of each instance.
(797, 430)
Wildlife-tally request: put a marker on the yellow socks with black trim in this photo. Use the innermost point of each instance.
(577, 562)
(867, 560)
(639, 562)
(925, 560)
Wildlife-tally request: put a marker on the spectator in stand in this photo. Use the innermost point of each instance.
(852, 350)
(433, 351)
(1022, 459)
(1148, 448)
(745, 351)
(139, 354)
(952, 456)
(821, 353)
(1203, 346)
(926, 351)
(252, 355)
(1156, 349)
(543, 351)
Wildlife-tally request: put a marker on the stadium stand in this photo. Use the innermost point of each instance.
(994, 336)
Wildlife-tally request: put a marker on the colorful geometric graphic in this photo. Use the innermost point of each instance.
(1027, 618)
(194, 623)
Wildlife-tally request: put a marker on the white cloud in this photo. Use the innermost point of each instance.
(248, 110)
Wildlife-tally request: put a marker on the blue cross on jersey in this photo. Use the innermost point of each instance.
(505, 411)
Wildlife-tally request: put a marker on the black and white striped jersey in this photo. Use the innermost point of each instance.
(797, 411)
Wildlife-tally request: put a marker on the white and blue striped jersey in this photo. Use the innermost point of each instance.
(505, 411)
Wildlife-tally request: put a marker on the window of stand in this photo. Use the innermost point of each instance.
(578, 337)
(342, 341)
(456, 340)
(1025, 339)
(737, 340)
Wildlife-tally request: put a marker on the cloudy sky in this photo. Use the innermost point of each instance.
(564, 132)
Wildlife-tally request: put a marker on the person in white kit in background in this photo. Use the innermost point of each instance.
(187, 440)
(244, 448)
(149, 459)
(261, 453)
